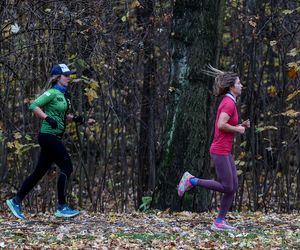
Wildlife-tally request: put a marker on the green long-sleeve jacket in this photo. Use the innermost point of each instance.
(56, 105)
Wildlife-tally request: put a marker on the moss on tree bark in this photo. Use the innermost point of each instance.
(194, 44)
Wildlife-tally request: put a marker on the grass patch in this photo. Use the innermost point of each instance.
(85, 237)
(147, 236)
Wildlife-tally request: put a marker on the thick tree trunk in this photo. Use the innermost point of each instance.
(194, 44)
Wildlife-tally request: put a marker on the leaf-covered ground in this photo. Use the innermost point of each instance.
(156, 230)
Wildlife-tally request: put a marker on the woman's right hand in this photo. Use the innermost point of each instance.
(90, 121)
(51, 122)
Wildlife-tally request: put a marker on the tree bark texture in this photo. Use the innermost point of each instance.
(146, 159)
(194, 44)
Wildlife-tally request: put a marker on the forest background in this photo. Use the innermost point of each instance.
(122, 51)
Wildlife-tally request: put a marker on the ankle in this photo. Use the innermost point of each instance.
(17, 200)
(194, 181)
(220, 219)
(60, 206)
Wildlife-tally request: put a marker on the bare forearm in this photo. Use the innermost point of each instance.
(39, 113)
(229, 128)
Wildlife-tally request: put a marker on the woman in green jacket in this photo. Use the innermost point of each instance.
(52, 107)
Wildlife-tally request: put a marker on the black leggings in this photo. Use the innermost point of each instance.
(52, 150)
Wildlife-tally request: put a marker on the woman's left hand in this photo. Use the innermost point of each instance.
(90, 121)
(246, 123)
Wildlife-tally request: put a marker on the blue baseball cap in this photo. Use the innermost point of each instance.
(61, 69)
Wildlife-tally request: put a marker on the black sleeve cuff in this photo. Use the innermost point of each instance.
(78, 119)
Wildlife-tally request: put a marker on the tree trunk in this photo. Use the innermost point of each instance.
(146, 170)
(194, 44)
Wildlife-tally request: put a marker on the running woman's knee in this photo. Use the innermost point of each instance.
(67, 170)
(228, 189)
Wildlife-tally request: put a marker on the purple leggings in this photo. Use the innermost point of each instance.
(227, 181)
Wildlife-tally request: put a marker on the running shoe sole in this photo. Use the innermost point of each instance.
(60, 215)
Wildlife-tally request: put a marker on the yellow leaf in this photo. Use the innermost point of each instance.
(135, 4)
(291, 96)
(272, 91)
(10, 145)
(241, 163)
(94, 85)
(26, 147)
(28, 137)
(259, 157)
(293, 52)
(91, 94)
(293, 64)
(252, 23)
(124, 18)
(291, 113)
(17, 135)
(242, 155)
(273, 43)
(260, 129)
(239, 172)
(292, 122)
(79, 22)
(18, 146)
(172, 89)
(6, 31)
(287, 12)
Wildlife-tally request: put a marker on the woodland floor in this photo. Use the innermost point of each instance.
(151, 230)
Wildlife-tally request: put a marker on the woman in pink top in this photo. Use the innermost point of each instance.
(226, 125)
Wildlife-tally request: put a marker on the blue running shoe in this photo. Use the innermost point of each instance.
(66, 212)
(15, 208)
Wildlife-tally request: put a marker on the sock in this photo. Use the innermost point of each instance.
(220, 219)
(194, 181)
